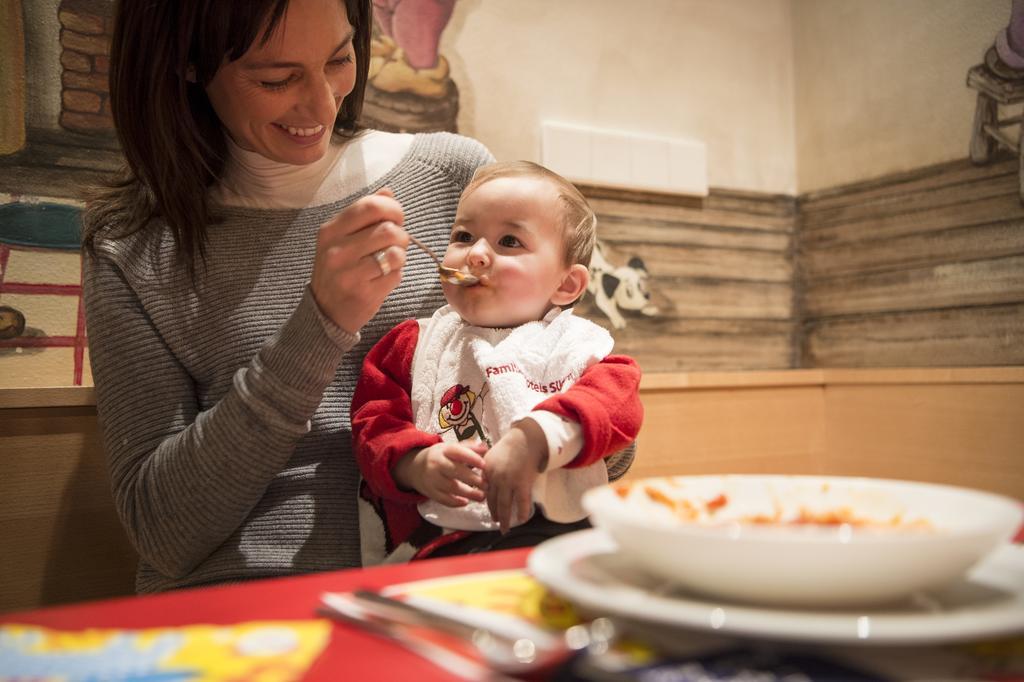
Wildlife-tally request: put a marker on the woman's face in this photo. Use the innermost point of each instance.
(280, 99)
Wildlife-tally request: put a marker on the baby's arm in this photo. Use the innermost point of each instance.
(510, 469)
(383, 428)
(400, 462)
(605, 403)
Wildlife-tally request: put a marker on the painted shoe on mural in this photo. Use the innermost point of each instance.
(397, 76)
(382, 49)
(12, 322)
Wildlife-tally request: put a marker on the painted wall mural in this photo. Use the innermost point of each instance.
(410, 87)
(922, 268)
(999, 80)
(618, 290)
(42, 323)
(57, 138)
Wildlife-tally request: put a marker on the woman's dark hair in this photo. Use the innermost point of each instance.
(174, 145)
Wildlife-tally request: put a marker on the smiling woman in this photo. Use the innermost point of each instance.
(237, 271)
(225, 75)
(281, 97)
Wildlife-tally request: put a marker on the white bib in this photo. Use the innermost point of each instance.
(469, 384)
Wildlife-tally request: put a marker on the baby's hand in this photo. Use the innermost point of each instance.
(448, 473)
(510, 468)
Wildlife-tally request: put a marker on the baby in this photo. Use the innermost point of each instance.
(481, 427)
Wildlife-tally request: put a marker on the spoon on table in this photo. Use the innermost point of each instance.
(518, 649)
(450, 275)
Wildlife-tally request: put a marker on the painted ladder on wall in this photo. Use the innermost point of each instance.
(34, 230)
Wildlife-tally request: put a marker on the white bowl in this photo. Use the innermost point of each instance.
(809, 541)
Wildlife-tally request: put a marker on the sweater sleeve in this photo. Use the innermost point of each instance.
(383, 427)
(184, 479)
(605, 402)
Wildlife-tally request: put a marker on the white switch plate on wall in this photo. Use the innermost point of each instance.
(629, 160)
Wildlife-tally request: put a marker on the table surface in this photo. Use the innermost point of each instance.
(352, 654)
(281, 599)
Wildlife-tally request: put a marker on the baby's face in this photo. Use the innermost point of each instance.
(508, 233)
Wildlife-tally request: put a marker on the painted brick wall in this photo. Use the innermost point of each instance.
(85, 33)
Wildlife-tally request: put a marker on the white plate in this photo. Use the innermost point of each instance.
(586, 568)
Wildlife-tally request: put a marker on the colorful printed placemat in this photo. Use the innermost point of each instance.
(258, 651)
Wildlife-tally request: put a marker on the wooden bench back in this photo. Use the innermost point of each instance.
(61, 540)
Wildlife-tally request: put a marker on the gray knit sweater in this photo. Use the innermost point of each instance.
(225, 407)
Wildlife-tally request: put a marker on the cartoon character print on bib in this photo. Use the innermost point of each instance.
(457, 413)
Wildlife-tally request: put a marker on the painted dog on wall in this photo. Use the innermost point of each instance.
(616, 288)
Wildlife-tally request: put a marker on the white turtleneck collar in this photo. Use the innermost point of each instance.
(253, 181)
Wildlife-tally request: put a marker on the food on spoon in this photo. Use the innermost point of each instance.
(458, 277)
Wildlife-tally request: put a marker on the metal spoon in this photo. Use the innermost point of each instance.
(520, 649)
(519, 646)
(450, 275)
(465, 664)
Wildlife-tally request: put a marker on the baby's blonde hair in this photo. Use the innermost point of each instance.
(579, 224)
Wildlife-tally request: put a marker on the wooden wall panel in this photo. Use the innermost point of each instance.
(956, 337)
(731, 430)
(941, 208)
(969, 434)
(950, 285)
(720, 273)
(713, 262)
(894, 188)
(977, 242)
(727, 299)
(924, 268)
(721, 209)
(711, 346)
(956, 426)
(920, 269)
(663, 232)
(60, 538)
(973, 202)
